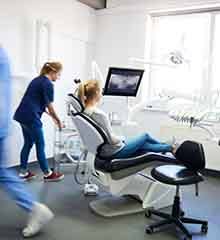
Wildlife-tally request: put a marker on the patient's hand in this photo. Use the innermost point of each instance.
(117, 139)
(122, 138)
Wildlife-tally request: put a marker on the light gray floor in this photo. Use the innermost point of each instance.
(74, 220)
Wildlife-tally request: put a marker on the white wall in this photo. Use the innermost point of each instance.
(118, 38)
(73, 35)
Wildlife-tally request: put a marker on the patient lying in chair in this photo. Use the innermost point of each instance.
(89, 93)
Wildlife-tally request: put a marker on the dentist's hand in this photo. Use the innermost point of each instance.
(59, 124)
(52, 113)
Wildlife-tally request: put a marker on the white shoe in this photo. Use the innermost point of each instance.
(39, 217)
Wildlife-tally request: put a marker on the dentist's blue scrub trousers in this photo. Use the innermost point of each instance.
(8, 179)
(39, 94)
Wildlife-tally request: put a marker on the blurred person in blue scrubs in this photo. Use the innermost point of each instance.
(39, 214)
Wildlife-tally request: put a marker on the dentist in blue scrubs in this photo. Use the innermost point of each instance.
(38, 99)
(39, 213)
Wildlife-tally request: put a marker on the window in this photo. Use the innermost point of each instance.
(192, 42)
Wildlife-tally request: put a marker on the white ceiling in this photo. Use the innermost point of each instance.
(116, 3)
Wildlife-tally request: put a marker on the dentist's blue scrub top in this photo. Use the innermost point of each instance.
(5, 90)
(39, 94)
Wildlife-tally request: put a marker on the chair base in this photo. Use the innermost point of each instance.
(150, 194)
(116, 206)
(176, 218)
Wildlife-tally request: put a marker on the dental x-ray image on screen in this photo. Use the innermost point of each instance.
(123, 82)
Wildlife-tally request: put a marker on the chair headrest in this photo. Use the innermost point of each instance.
(75, 104)
(191, 154)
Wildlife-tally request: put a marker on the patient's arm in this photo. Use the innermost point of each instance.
(104, 122)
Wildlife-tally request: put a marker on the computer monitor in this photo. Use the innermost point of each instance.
(123, 82)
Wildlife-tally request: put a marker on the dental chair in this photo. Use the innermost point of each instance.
(128, 180)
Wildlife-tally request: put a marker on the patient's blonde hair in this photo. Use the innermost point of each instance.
(88, 91)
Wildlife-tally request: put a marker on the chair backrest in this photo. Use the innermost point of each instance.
(93, 136)
(191, 154)
(74, 105)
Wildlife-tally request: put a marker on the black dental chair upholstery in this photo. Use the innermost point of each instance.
(191, 155)
(120, 168)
